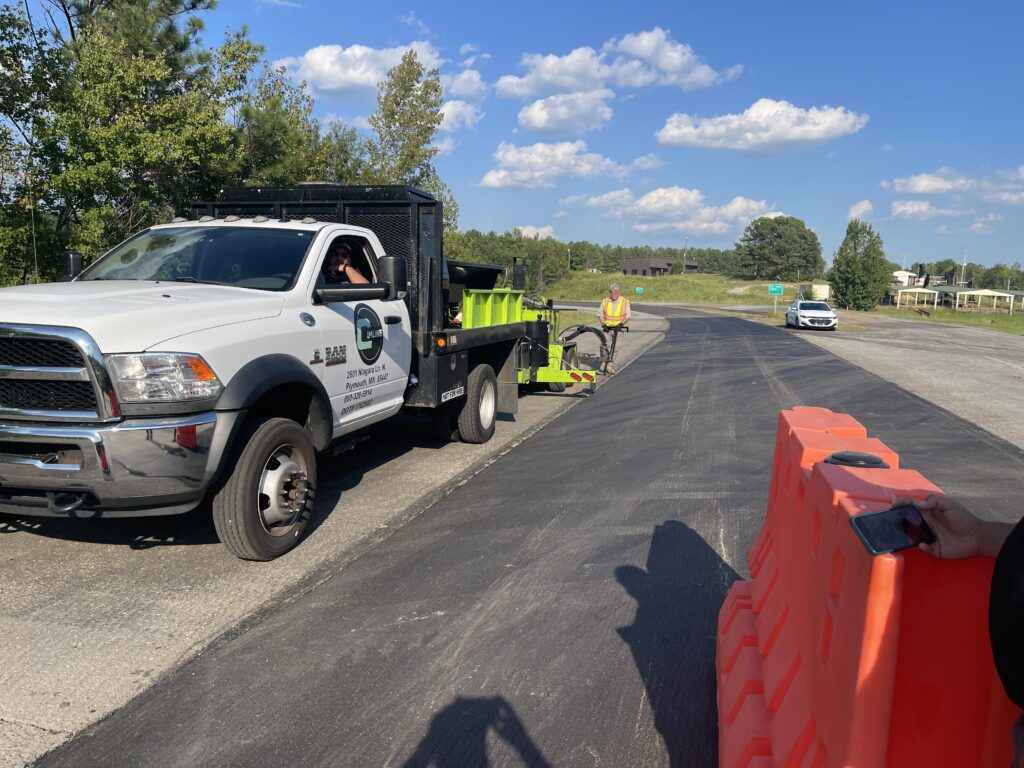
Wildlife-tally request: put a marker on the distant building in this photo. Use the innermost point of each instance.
(905, 278)
(650, 266)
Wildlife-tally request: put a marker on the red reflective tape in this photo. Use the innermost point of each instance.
(575, 377)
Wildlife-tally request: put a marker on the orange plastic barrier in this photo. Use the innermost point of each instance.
(830, 656)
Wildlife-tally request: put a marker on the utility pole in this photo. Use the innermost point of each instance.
(963, 269)
(569, 251)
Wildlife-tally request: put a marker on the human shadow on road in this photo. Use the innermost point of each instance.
(673, 635)
(457, 737)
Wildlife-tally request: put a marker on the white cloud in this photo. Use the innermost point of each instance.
(459, 114)
(632, 61)
(919, 210)
(617, 198)
(468, 48)
(712, 220)
(280, 4)
(537, 233)
(668, 201)
(860, 210)
(671, 62)
(467, 84)
(579, 70)
(647, 162)
(577, 112)
(445, 146)
(540, 165)
(980, 226)
(766, 126)
(362, 123)
(1006, 187)
(354, 71)
(561, 215)
(943, 180)
(410, 19)
(676, 209)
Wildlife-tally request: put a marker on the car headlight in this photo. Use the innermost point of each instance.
(163, 377)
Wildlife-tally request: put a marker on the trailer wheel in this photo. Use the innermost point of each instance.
(445, 423)
(573, 364)
(477, 417)
(263, 506)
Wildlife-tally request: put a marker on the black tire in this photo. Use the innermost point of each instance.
(274, 455)
(480, 408)
(445, 423)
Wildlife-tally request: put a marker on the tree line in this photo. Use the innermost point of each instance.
(115, 116)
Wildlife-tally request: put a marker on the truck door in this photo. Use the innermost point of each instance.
(366, 352)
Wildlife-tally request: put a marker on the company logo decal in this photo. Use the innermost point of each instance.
(369, 334)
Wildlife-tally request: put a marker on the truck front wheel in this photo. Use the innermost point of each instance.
(263, 506)
(476, 420)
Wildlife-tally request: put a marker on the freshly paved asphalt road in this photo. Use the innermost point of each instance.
(560, 607)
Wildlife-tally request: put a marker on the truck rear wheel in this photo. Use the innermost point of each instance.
(477, 417)
(263, 506)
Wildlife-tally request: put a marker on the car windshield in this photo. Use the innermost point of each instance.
(818, 306)
(245, 257)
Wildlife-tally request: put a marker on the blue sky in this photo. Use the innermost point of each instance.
(677, 123)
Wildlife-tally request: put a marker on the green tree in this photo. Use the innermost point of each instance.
(860, 272)
(280, 140)
(406, 122)
(124, 153)
(779, 247)
(342, 155)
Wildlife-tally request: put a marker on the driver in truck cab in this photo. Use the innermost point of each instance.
(337, 268)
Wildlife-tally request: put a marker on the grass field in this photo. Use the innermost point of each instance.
(992, 321)
(672, 289)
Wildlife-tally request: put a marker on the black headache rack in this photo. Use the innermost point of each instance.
(408, 222)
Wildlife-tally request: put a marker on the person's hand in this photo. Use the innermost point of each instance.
(958, 532)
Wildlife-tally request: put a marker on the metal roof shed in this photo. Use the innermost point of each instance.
(978, 294)
(916, 292)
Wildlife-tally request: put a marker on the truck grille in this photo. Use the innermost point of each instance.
(53, 374)
(45, 353)
(27, 395)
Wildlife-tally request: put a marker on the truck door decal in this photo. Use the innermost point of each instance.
(369, 334)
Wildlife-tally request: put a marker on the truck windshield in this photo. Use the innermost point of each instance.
(264, 259)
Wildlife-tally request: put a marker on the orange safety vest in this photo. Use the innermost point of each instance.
(614, 311)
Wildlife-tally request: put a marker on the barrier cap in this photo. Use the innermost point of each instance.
(857, 459)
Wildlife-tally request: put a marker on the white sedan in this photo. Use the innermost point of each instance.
(811, 314)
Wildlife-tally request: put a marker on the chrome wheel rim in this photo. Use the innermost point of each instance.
(283, 492)
(487, 400)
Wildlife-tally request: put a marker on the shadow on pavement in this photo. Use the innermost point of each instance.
(457, 737)
(672, 638)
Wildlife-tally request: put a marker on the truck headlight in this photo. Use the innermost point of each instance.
(163, 377)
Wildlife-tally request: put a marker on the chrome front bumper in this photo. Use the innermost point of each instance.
(134, 468)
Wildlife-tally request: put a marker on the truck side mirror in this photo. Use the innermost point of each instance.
(393, 270)
(72, 265)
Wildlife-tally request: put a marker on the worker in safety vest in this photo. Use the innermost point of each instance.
(614, 309)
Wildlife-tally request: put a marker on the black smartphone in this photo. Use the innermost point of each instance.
(892, 529)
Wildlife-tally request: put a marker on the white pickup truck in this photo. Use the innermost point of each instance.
(208, 358)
